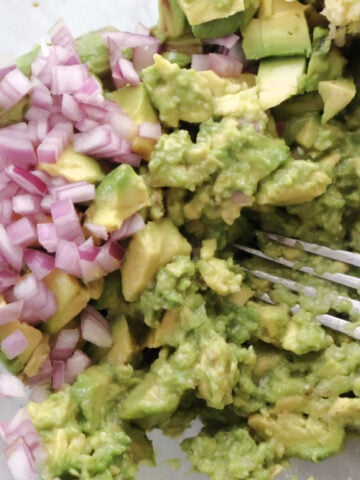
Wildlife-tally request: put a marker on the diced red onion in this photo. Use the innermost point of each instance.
(16, 149)
(90, 92)
(13, 254)
(121, 40)
(13, 87)
(120, 122)
(26, 204)
(65, 344)
(142, 29)
(7, 280)
(110, 256)
(149, 130)
(58, 375)
(47, 236)
(130, 158)
(11, 386)
(9, 312)
(61, 36)
(20, 462)
(71, 108)
(22, 232)
(143, 56)
(55, 143)
(97, 231)
(36, 113)
(225, 66)
(94, 328)
(40, 263)
(26, 180)
(75, 365)
(67, 257)
(94, 112)
(227, 41)
(44, 374)
(41, 97)
(66, 221)
(131, 225)
(37, 130)
(200, 61)
(14, 344)
(5, 210)
(76, 192)
(124, 73)
(68, 78)
(39, 301)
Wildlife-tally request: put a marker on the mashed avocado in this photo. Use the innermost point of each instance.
(194, 333)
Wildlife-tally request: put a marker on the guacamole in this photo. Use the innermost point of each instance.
(192, 333)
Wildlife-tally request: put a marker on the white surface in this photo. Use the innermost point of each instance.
(23, 25)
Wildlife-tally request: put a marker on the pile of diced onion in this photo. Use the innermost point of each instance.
(41, 226)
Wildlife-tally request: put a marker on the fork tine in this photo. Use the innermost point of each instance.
(340, 278)
(297, 287)
(352, 258)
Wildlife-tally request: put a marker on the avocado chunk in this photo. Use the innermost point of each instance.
(336, 94)
(120, 194)
(201, 11)
(278, 79)
(33, 337)
(172, 20)
(123, 347)
(71, 298)
(226, 26)
(285, 33)
(74, 166)
(150, 249)
(284, 187)
(135, 101)
(92, 49)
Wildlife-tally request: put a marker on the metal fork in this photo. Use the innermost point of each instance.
(350, 281)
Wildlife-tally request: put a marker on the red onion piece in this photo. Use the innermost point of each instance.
(13, 87)
(110, 256)
(149, 130)
(68, 78)
(16, 149)
(13, 254)
(97, 231)
(67, 257)
(71, 108)
(121, 40)
(227, 41)
(40, 263)
(47, 236)
(65, 344)
(130, 226)
(130, 158)
(39, 301)
(94, 328)
(7, 279)
(26, 180)
(55, 143)
(143, 56)
(26, 204)
(66, 221)
(76, 192)
(5, 210)
(10, 312)
(7, 63)
(124, 73)
(11, 386)
(14, 344)
(75, 365)
(90, 92)
(225, 66)
(58, 375)
(20, 462)
(44, 374)
(22, 232)
(61, 36)
(200, 61)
